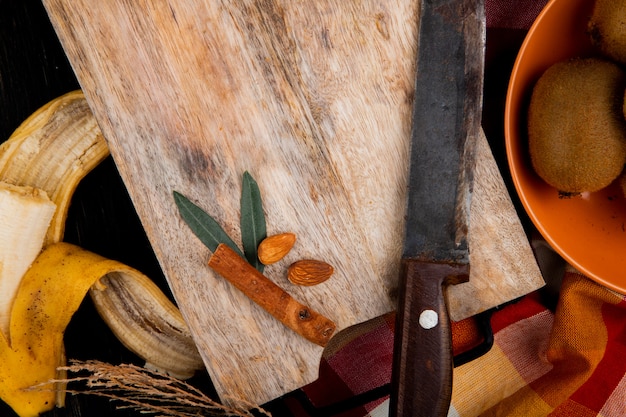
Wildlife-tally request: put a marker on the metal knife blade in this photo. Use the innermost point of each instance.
(445, 126)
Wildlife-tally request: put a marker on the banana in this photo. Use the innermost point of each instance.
(21, 241)
(41, 165)
(53, 150)
(49, 294)
(158, 334)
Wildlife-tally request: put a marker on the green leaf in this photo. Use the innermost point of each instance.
(253, 229)
(202, 225)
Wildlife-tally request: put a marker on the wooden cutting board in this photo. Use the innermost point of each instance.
(313, 98)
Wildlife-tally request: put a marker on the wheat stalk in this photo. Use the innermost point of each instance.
(149, 392)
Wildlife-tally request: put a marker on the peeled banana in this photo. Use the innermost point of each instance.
(49, 293)
(40, 167)
(21, 240)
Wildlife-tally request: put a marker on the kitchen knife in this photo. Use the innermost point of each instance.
(445, 127)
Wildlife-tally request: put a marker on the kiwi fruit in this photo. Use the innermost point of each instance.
(606, 28)
(576, 126)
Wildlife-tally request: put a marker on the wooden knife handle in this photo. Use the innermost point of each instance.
(422, 361)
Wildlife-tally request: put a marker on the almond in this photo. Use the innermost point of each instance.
(309, 272)
(274, 248)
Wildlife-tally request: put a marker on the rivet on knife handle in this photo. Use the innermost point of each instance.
(445, 127)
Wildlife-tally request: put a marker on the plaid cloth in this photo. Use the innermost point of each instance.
(562, 361)
(542, 363)
(512, 14)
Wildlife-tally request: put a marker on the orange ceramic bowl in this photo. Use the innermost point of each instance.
(588, 231)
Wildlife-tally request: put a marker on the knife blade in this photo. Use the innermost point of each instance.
(445, 126)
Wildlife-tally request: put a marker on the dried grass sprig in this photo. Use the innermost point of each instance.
(149, 392)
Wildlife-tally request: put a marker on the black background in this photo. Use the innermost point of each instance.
(101, 218)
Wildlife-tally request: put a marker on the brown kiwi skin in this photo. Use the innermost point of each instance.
(606, 29)
(576, 127)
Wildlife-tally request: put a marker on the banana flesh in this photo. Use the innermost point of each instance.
(20, 241)
(51, 152)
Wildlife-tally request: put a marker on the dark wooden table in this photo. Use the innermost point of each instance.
(33, 71)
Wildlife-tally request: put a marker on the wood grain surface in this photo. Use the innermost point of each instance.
(197, 94)
(313, 98)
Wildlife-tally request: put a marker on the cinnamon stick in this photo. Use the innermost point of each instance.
(308, 323)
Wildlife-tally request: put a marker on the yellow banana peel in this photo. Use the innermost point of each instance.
(50, 293)
(41, 165)
(53, 150)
